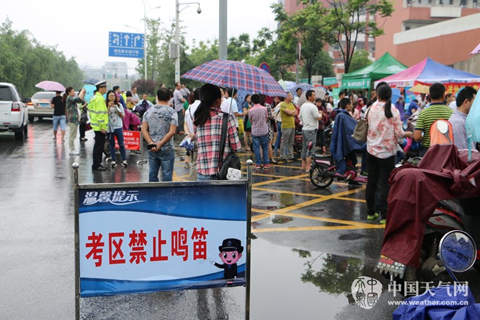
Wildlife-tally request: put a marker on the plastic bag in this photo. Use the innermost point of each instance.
(187, 143)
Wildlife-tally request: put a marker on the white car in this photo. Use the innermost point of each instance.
(13, 112)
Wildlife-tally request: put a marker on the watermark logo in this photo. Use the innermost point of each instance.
(366, 291)
(117, 198)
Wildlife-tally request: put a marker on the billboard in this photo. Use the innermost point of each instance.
(153, 237)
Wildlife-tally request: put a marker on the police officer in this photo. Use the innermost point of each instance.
(99, 121)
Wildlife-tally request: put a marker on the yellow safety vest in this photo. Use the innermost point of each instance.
(98, 112)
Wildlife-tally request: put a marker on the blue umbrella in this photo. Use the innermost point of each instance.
(89, 89)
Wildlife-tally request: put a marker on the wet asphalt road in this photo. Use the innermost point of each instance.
(309, 244)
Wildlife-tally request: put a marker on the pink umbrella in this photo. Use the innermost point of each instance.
(50, 86)
(476, 50)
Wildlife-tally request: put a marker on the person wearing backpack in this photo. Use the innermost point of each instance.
(208, 122)
(384, 131)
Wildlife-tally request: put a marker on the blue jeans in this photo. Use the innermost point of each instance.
(279, 137)
(119, 134)
(201, 177)
(263, 142)
(164, 159)
(60, 120)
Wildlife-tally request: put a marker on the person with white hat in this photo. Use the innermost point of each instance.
(98, 112)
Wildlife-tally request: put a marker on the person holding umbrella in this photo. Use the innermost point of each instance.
(59, 115)
(208, 120)
(99, 121)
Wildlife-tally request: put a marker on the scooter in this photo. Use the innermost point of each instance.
(449, 216)
(323, 172)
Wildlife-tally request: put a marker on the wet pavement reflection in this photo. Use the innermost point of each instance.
(309, 244)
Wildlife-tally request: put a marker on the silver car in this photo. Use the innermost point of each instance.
(41, 105)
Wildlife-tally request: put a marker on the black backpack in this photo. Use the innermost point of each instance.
(232, 160)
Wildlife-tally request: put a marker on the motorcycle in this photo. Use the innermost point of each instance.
(324, 171)
(449, 216)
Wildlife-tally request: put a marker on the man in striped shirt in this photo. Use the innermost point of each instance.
(436, 111)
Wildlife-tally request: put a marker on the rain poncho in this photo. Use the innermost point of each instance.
(342, 142)
(443, 174)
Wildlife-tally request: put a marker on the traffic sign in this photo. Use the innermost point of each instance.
(265, 66)
(127, 45)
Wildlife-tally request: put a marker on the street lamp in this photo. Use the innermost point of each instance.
(177, 33)
(144, 36)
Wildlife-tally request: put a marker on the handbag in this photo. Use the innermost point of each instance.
(361, 129)
(232, 161)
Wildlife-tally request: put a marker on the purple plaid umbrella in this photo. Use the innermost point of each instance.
(50, 86)
(237, 75)
(476, 50)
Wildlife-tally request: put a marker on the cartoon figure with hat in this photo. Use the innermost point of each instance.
(230, 252)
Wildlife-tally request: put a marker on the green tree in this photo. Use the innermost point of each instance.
(360, 60)
(307, 27)
(323, 65)
(25, 62)
(267, 49)
(239, 48)
(345, 22)
(153, 39)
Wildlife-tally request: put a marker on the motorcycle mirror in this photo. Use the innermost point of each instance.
(458, 251)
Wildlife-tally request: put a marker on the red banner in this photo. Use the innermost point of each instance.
(132, 140)
(454, 87)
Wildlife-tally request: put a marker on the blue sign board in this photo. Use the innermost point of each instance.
(170, 237)
(127, 45)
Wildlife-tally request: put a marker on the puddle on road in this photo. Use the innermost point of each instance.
(351, 236)
(293, 283)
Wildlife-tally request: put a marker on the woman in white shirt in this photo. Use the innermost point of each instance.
(115, 127)
(190, 128)
(384, 131)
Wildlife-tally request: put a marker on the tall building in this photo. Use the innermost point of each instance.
(433, 28)
(444, 30)
(115, 72)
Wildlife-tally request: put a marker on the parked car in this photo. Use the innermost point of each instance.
(13, 112)
(41, 105)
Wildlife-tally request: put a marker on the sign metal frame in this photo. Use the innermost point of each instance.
(95, 186)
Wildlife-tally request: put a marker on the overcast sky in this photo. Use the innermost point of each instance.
(80, 28)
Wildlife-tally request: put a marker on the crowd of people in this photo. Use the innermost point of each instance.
(393, 130)
(272, 127)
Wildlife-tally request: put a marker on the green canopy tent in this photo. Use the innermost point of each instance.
(364, 78)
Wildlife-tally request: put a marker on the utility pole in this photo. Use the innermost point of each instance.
(145, 38)
(297, 61)
(177, 41)
(177, 33)
(222, 49)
